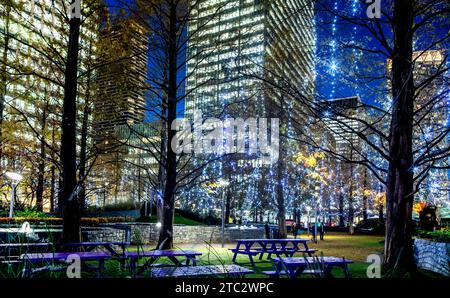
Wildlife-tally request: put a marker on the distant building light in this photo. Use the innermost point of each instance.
(14, 176)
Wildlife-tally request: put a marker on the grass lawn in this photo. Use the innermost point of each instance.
(355, 248)
(179, 220)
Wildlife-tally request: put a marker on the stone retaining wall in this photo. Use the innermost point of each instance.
(147, 233)
(433, 256)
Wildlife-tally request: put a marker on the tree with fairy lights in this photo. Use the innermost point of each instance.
(395, 48)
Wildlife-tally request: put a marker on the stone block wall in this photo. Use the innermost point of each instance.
(104, 234)
(147, 233)
(433, 256)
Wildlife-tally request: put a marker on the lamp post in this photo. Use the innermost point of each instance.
(15, 179)
(308, 219)
(223, 183)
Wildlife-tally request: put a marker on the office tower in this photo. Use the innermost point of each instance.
(122, 78)
(33, 42)
(236, 43)
(432, 116)
(130, 172)
(339, 117)
(431, 108)
(234, 47)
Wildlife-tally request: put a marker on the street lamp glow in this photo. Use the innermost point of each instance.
(223, 183)
(14, 176)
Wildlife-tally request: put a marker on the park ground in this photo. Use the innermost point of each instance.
(355, 247)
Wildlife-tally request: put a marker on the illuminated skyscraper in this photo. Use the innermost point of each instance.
(430, 134)
(235, 43)
(236, 50)
(339, 117)
(121, 81)
(33, 43)
(432, 111)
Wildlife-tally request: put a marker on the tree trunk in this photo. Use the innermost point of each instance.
(41, 166)
(52, 189)
(399, 196)
(228, 206)
(4, 77)
(83, 145)
(341, 210)
(166, 231)
(365, 199)
(380, 213)
(161, 168)
(60, 196)
(71, 210)
(281, 215)
(351, 210)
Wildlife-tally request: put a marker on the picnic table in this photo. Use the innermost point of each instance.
(154, 255)
(109, 246)
(10, 252)
(294, 266)
(278, 247)
(7, 247)
(200, 271)
(61, 257)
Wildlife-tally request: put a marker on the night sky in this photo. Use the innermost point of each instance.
(343, 72)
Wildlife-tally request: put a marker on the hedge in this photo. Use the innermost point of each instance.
(88, 221)
(438, 236)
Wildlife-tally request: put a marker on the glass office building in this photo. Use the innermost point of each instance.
(235, 45)
(237, 51)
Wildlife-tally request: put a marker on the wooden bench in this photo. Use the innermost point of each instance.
(289, 252)
(90, 246)
(154, 255)
(249, 253)
(16, 249)
(318, 266)
(51, 260)
(200, 271)
(253, 247)
(275, 273)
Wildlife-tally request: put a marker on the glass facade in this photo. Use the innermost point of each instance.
(33, 43)
(235, 44)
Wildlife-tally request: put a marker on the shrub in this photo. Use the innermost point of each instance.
(375, 225)
(146, 219)
(86, 221)
(438, 236)
(208, 219)
(31, 213)
(122, 206)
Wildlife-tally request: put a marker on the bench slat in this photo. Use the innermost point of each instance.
(162, 253)
(274, 273)
(62, 256)
(210, 270)
(245, 252)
